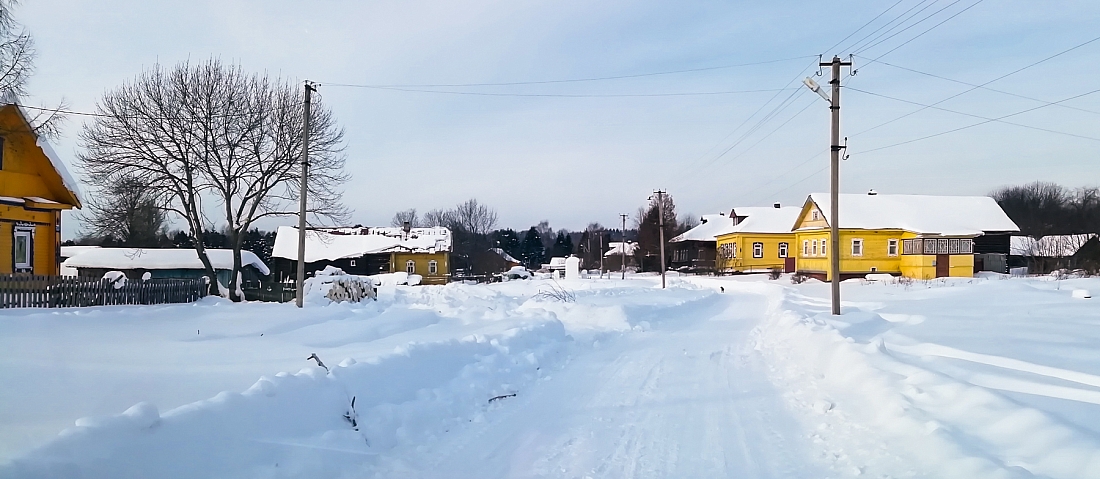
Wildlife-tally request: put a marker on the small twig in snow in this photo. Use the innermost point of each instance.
(319, 363)
(497, 398)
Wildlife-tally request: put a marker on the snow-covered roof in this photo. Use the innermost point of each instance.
(557, 262)
(617, 249)
(1052, 246)
(763, 219)
(707, 230)
(504, 254)
(159, 258)
(70, 251)
(55, 160)
(925, 214)
(338, 243)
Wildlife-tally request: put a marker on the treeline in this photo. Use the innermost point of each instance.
(1043, 209)
(475, 232)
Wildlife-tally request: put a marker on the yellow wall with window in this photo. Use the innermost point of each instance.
(875, 254)
(735, 251)
(422, 265)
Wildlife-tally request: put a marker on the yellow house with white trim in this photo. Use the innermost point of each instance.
(759, 240)
(915, 236)
(35, 188)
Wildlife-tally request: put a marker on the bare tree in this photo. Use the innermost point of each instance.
(17, 65)
(211, 132)
(407, 216)
(437, 217)
(474, 217)
(126, 213)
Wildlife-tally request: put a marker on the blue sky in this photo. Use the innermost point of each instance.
(573, 160)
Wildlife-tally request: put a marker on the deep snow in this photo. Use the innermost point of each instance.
(734, 377)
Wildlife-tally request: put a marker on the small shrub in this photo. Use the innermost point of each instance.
(557, 293)
(799, 278)
(775, 273)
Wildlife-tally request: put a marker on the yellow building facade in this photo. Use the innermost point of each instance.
(944, 249)
(760, 240)
(34, 188)
(434, 268)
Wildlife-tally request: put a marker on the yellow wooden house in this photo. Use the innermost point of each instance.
(760, 239)
(34, 188)
(915, 236)
(363, 250)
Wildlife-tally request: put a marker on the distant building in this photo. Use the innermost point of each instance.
(364, 250)
(35, 187)
(163, 263)
(1051, 252)
(617, 253)
(694, 251)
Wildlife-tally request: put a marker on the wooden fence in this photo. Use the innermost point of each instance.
(40, 291)
(274, 292)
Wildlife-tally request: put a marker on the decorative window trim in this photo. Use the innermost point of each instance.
(824, 249)
(433, 267)
(813, 247)
(815, 215)
(783, 249)
(805, 248)
(892, 247)
(757, 249)
(22, 230)
(410, 267)
(351, 262)
(857, 244)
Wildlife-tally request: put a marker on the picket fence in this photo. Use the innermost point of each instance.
(42, 291)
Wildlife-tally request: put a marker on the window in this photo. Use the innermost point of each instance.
(892, 247)
(823, 249)
(433, 267)
(758, 250)
(782, 250)
(351, 262)
(410, 267)
(816, 216)
(857, 247)
(874, 269)
(805, 247)
(23, 248)
(814, 247)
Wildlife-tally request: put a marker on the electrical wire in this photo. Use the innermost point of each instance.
(578, 95)
(1006, 75)
(865, 25)
(933, 27)
(979, 116)
(911, 25)
(572, 80)
(991, 120)
(890, 24)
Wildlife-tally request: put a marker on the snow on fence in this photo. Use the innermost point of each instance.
(41, 291)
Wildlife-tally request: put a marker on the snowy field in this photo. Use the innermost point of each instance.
(713, 377)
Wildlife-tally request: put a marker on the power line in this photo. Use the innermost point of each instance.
(991, 120)
(862, 27)
(898, 25)
(933, 27)
(572, 80)
(941, 77)
(977, 116)
(911, 25)
(105, 115)
(569, 95)
(890, 24)
(1006, 75)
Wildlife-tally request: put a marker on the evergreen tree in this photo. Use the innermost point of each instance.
(508, 240)
(531, 251)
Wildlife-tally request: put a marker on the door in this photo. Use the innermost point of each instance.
(943, 266)
(788, 265)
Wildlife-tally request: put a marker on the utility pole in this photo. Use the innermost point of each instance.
(622, 248)
(661, 227)
(300, 286)
(601, 254)
(834, 174)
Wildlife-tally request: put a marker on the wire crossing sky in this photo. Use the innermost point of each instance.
(574, 111)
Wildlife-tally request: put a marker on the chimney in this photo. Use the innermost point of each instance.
(776, 205)
(872, 193)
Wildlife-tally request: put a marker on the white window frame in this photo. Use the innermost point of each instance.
(733, 250)
(805, 248)
(857, 243)
(757, 249)
(892, 247)
(815, 215)
(813, 248)
(410, 267)
(433, 267)
(783, 250)
(28, 233)
(824, 249)
(351, 262)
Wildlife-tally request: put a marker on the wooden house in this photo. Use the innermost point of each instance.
(916, 236)
(35, 187)
(1051, 252)
(367, 251)
(760, 239)
(694, 250)
(619, 252)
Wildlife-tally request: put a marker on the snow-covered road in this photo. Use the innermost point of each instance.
(688, 398)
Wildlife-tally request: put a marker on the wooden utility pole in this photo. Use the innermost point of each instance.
(622, 248)
(300, 286)
(661, 228)
(834, 183)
